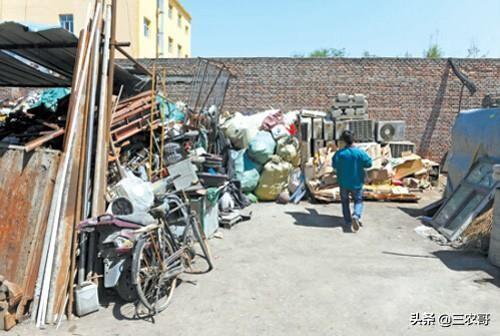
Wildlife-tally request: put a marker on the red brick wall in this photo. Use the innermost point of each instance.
(423, 92)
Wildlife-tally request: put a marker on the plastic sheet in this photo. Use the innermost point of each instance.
(475, 135)
(288, 150)
(262, 147)
(50, 98)
(138, 192)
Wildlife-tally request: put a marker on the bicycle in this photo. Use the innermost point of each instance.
(161, 253)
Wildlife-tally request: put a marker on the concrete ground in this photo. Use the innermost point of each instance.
(292, 270)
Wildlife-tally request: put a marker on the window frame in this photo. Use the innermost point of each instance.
(67, 21)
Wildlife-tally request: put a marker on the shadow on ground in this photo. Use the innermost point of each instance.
(315, 219)
(462, 261)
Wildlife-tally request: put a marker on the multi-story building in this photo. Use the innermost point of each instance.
(136, 22)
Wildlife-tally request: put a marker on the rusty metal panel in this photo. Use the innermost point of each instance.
(26, 186)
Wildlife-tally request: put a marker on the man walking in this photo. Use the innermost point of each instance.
(350, 163)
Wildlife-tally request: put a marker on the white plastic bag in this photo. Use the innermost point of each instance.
(138, 192)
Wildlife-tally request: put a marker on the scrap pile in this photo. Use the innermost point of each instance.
(54, 158)
(35, 120)
(107, 138)
(278, 156)
(397, 173)
(265, 155)
(473, 177)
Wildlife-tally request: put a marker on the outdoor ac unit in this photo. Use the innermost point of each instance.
(391, 131)
(363, 130)
(340, 126)
(398, 147)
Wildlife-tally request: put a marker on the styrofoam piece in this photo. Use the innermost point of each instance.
(359, 98)
(328, 130)
(350, 111)
(317, 144)
(306, 129)
(342, 97)
(317, 128)
(314, 114)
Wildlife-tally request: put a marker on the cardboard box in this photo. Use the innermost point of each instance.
(412, 164)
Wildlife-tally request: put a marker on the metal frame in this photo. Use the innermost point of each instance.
(441, 220)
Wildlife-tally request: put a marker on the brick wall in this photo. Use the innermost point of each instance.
(424, 93)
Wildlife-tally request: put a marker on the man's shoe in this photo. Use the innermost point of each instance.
(355, 224)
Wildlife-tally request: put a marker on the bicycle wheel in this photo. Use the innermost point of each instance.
(154, 289)
(195, 246)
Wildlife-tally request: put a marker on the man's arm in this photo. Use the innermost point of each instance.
(366, 160)
(335, 161)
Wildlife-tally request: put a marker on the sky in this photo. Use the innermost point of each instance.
(386, 28)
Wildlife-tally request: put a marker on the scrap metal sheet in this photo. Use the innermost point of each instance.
(26, 186)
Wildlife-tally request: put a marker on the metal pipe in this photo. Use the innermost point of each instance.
(58, 194)
(90, 130)
(151, 121)
(99, 167)
(133, 60)
(49, 45)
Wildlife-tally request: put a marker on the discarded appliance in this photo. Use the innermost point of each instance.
(388, 131)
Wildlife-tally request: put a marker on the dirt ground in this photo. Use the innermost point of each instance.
(292, 270)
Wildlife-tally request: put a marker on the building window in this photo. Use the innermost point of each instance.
(170, 45)
(187, 56)
(147, 27)
(179, 51)
(66, 21)
(187, 30)
(170, 11)
(179, 21)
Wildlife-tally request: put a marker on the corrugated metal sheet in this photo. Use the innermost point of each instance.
(26, 186)
(14, 39)
(59, 60)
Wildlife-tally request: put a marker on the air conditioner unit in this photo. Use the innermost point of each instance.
(363, 130)
(398, 147)
(340, 126)
(393, 130)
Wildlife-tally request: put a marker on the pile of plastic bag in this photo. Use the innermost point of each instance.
(265, 151)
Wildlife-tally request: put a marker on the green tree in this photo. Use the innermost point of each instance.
(434, 52)
(330, 52)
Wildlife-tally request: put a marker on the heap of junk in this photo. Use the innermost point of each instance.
(109, 188)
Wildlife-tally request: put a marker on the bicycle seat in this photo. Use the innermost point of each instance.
(139, 218)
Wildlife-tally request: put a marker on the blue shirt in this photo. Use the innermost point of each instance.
(350, 164)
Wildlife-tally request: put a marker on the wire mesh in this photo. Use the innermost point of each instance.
(208, 86)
